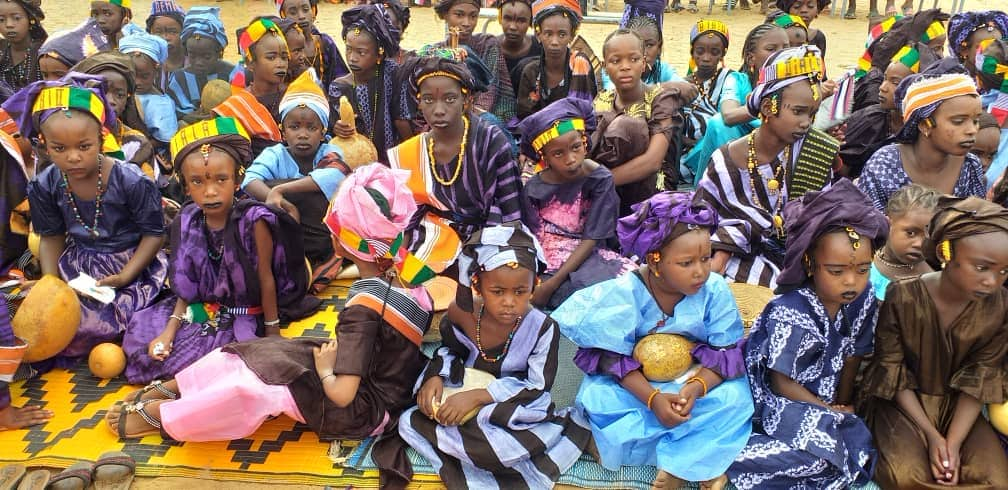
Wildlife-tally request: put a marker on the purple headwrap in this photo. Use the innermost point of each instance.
(653, 221)
(70, 47)
(19, 106)
(818, 212)
(963, 24)
(165, 8)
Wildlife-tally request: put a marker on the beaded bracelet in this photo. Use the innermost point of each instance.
(179, 318)
(650, 397)
(700, 380)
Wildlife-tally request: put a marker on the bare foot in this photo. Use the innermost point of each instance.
(667, 481)
(153, 393)
(135, 425)
(718, 483)
(20, 417)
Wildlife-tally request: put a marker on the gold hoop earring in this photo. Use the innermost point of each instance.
(946, 251)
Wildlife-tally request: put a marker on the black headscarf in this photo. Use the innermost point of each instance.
(373, 19)
(400, 11)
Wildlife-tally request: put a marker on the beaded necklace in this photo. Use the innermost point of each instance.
(665, 316)
(507, 344)
(773, 186)
(461, 155)
(93, 229)
(879, 256)
(699, 84)
(318, 54)
(214, 254)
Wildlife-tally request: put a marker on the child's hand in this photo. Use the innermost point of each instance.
(457, 406)
(544, 292)
(941, 461)
(688, 396)
(954, 462)
(325, 357)
(839, 407)
(114, 281)
(160, 348)
(664, 407)
(276, 198)
(839, 132)
(342, 130)
(430, 395)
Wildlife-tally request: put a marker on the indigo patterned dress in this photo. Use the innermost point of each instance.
(130, 210)
(379, 103)
(520, 440)
(883, 175)
(231, 282)
(799, 445)
(612, 316)
(562, 215)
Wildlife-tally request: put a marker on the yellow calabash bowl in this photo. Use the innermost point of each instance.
(999, 416)
(47, 318)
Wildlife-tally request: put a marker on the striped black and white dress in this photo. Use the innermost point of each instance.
(521, 440)
(746, 228)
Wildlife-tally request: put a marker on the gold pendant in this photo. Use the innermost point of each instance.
(773, 184)
(778, 222)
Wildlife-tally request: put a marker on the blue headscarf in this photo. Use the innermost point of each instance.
(140, 42)
(204, 21)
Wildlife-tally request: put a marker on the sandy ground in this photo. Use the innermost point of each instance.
(845, 44)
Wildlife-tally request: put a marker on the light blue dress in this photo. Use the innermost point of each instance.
(737, 88)
(276, 162)
(614, 315)
(878, 281)
(159, 115)
(1000, 162)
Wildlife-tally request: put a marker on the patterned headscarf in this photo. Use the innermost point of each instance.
(920, 95)
(785, 68)
(204, 21)
(371, 209)
(957, 217)
(784, 21)
(251, 34)
(541, 9)
(841, 205)
(223, 133)
(964, 24)
(35, 18)
(374, 20)
(498, 246)
(69, 47)
(155, 47)
(459, 64)
(165, 8)
(304, 91)
(653, 221)
(554, 120)
(31, 106)
(402, 12)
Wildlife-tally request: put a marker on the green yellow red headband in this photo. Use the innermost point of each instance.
(559, 128)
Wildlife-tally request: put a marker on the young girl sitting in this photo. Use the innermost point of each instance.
(516, 439)
(909, 211)
(657, 70)
(776, 163)
(692, 425)
(719, 114)
(165, 21)
(636, 136)
(301, 176)
(236, 267)
(20, 45)
(320, 48)
(148, 53)
(805, 349)
(204, 40)
(572, 202)
(560, 72)
(350, 387)
(265, 57)
(939, 356)
(96, 215)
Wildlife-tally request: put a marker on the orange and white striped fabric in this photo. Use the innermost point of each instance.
(252, 115)
(927, 91)
(10, 358)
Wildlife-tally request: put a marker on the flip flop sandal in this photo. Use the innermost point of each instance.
(158, 386)
(137, 408)
(76, 477)
(35, 480)
(850, 15)
(692, 8)
(10, 475)
(114, 471)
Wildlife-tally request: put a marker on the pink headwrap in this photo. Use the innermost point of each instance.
(372, 207)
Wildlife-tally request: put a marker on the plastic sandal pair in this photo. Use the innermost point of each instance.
(113, 471)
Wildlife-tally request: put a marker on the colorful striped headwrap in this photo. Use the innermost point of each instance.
(788, 20)
(918, 96)
(934, 31)
(253, 33)
(506, 245)
(964, 24)
(367, 216)
(225, 133)
(864, 63)
(908, 56)
(990, 65)
(784, 68)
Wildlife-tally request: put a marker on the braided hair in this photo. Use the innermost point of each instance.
(637, 24)
(749, 46)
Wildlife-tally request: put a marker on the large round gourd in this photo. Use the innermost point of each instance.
(357, 149)
(47, 318)
(473, 379)
(999, 416)
(214, 93)
(107, 360)
(663, 356)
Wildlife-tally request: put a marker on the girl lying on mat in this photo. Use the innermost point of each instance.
(366, 376)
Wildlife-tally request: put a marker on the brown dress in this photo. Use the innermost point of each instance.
(912, 351)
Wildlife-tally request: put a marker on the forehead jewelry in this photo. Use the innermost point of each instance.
(205, 153)
(855, 238)
(356, 31)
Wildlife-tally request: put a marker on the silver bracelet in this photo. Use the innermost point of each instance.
(179, 318)
(272, 323)
(323, 378)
